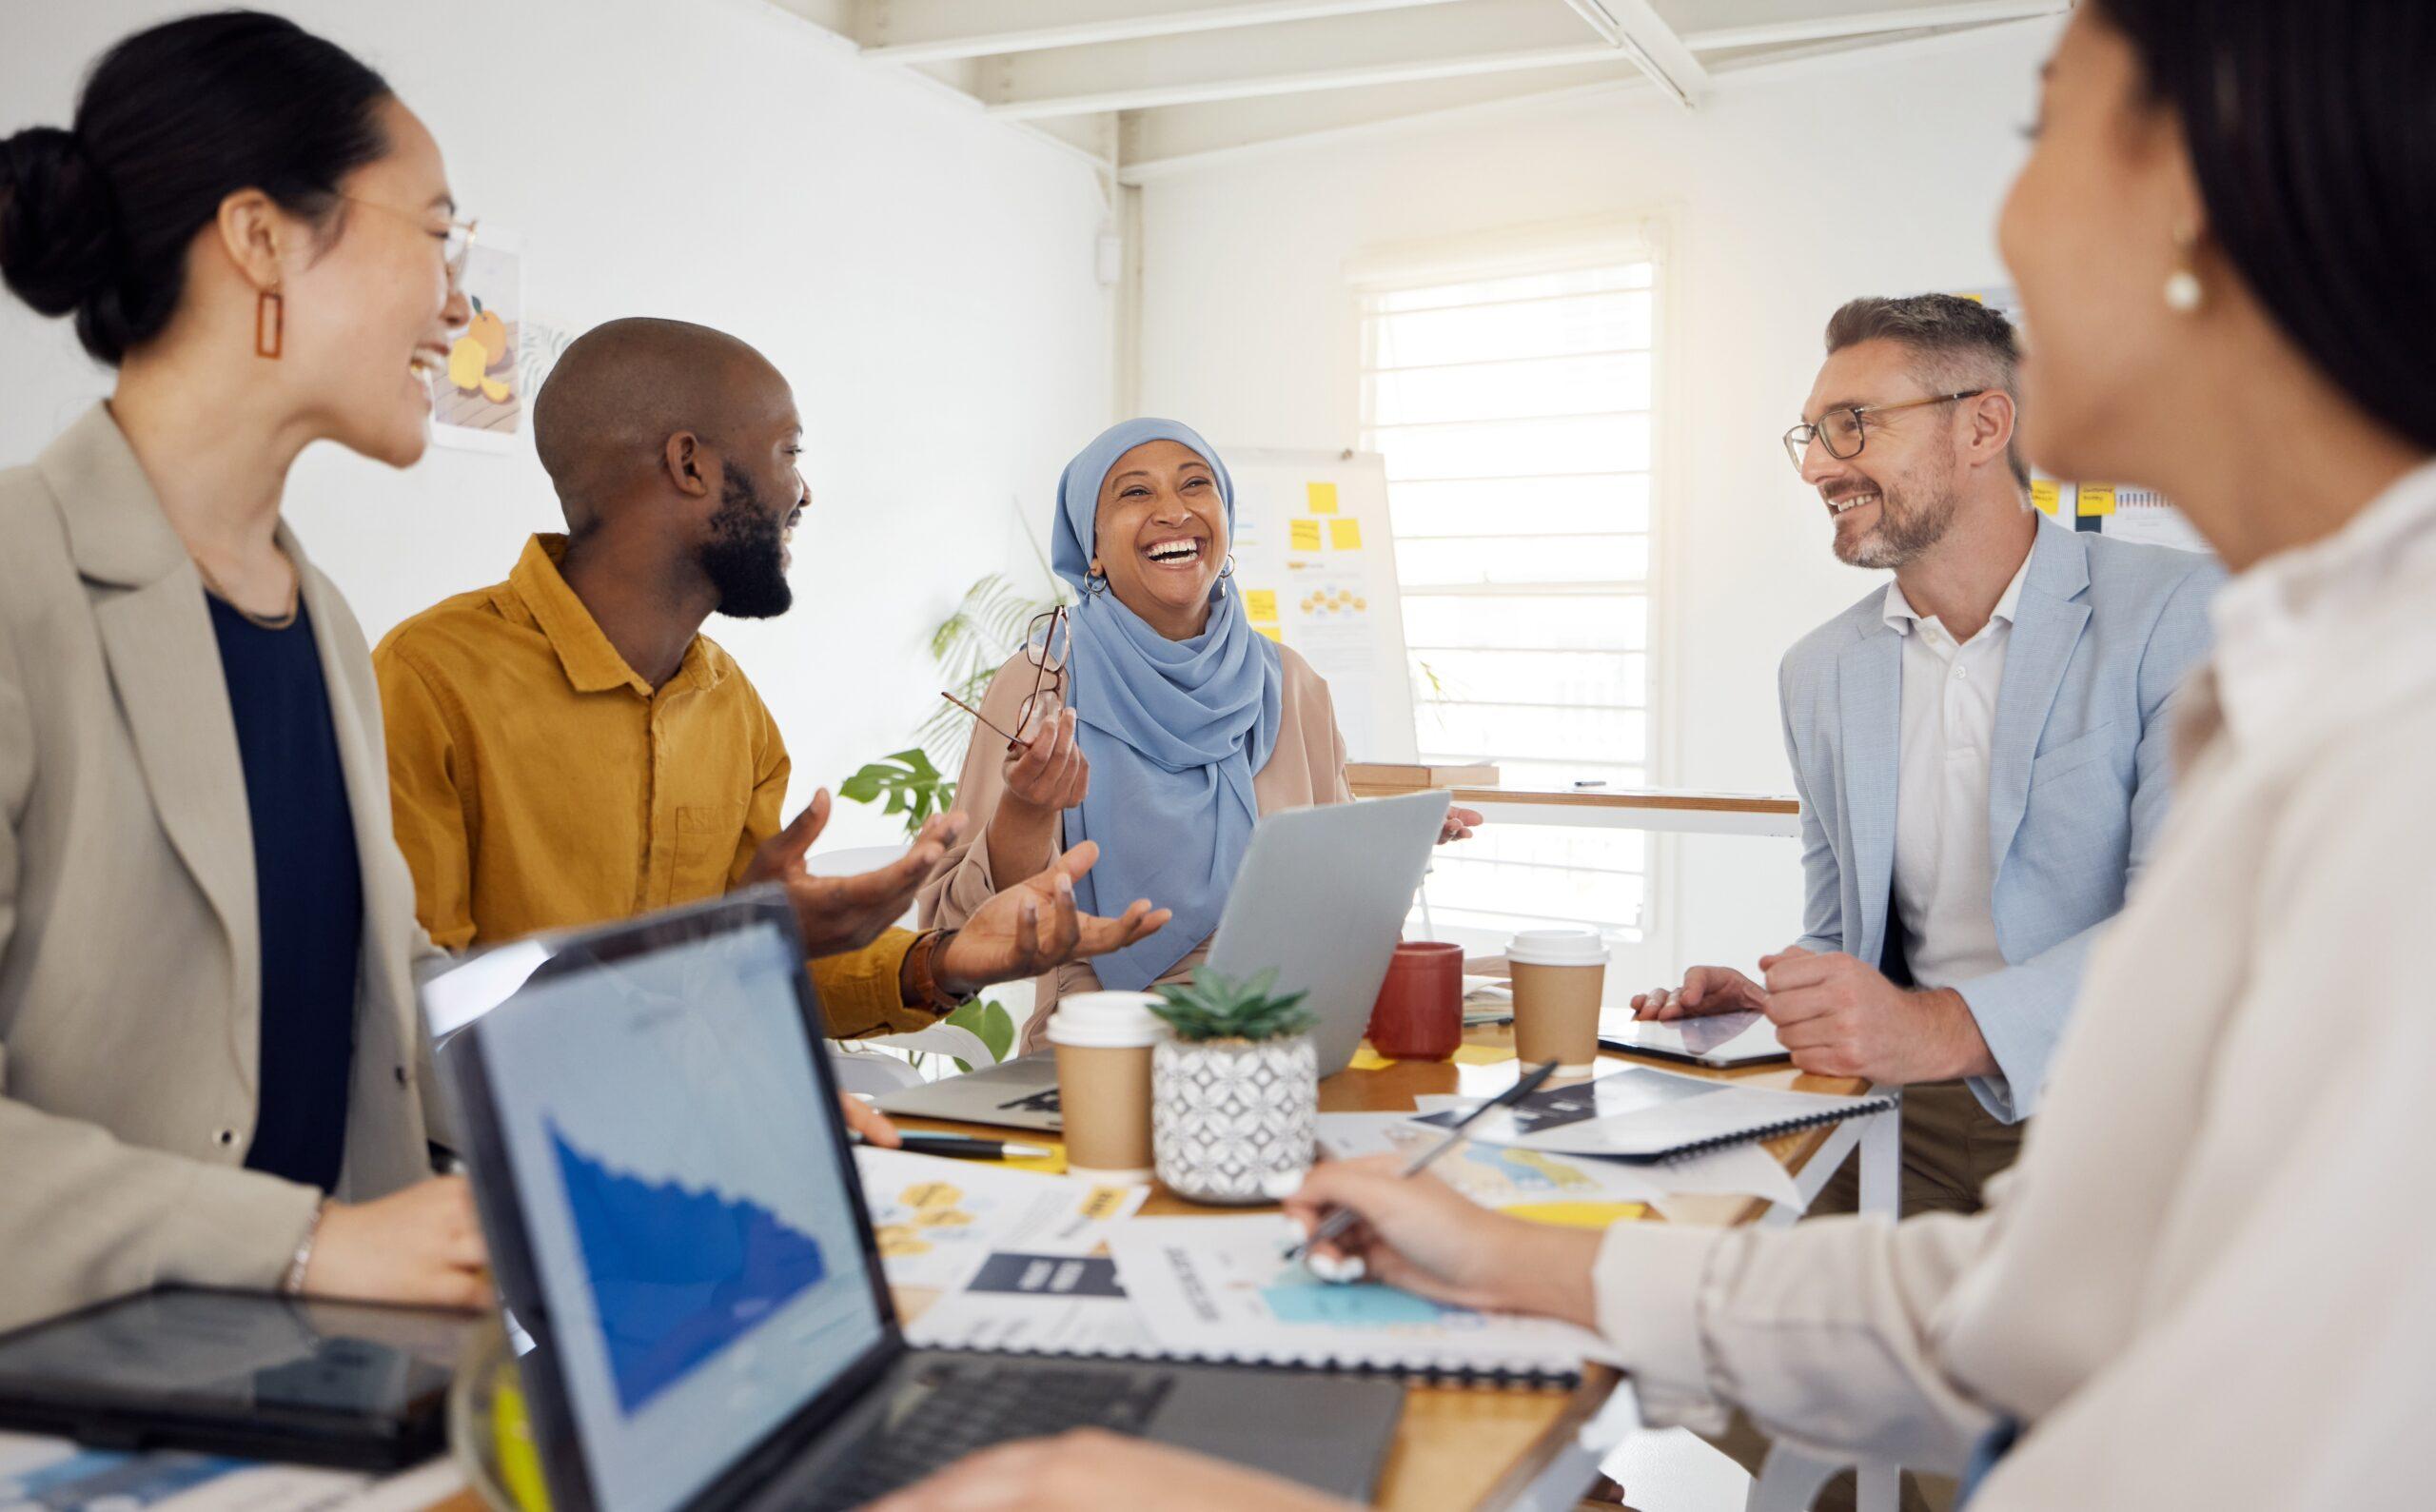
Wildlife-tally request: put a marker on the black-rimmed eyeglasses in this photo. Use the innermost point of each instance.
(1845, 431)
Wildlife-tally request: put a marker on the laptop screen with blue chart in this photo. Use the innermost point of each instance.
(686, 1203)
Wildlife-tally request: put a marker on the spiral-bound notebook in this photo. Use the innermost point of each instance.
(1643, 1113)
(1219, 1291)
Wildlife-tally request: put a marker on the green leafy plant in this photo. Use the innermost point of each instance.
(914, 787)
(990, 1022)
(968, 646)
(1216, 1007)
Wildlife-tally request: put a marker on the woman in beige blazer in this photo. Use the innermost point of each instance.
(2206, 1284)
(205, 1076)
(1155, 723)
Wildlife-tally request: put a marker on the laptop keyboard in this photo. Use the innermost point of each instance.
(953, 1409)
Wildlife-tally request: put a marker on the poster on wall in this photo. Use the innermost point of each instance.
(2120, 510)
(478, 404)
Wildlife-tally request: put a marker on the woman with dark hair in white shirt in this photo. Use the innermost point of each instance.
(2200, 1287)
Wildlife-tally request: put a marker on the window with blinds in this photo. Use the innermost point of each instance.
(1515, 415)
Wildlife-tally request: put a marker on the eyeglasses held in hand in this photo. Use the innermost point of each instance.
(1048, 641)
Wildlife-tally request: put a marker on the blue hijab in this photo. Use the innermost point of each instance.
(1173, 731)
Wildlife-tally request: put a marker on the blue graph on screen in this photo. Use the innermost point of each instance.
(677, 1275)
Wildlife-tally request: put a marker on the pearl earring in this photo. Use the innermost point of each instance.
(2184, 294)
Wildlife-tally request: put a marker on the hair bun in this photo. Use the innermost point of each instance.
(57, 232)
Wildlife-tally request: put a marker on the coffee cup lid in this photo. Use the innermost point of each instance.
(1557, 947)
(1107, 1021)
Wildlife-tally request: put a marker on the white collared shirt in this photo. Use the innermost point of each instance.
(1944, 882)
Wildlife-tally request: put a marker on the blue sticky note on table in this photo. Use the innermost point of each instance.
(1360, 1305)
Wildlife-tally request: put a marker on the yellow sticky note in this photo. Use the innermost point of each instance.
(1303, 535)
(1366, 1059)
(2097, 499)
(1053, 1163)
(1482, 1054)
(2046, 493)
(1344, 535)
(1323, 497)
(1270, 629)
(1261, 603)
(1578, 1214)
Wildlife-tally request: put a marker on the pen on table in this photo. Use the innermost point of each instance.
(964, 1147)
(1343, 1219)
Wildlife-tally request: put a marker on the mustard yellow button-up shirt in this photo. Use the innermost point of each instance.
(538, 782)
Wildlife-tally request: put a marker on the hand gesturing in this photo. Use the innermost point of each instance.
(1033, 926)
(840, 914)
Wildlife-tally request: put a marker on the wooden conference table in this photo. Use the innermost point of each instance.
(1471, 1446)
(1465, 1447)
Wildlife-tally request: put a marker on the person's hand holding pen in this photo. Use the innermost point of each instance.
(1421, 1234)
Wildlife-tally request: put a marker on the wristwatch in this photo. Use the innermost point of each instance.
(920, 978)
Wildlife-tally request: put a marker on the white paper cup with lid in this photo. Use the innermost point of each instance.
(1559, 978)
(1102, 1045)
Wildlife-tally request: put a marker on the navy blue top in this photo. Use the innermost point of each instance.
(309, 892)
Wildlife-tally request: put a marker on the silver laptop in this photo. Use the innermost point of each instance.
(692, 1277)
(1321, 898)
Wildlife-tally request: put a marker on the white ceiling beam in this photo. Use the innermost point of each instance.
(1652, 45)
(1448, 41)
(1871, 23)
(1157, 143)
(929, 30)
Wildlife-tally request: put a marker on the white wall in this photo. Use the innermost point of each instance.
(923, 276)
(1785, 195)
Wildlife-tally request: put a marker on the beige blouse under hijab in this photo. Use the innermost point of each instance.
(1306, 768)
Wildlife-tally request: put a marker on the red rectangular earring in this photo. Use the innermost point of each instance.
(270, 324)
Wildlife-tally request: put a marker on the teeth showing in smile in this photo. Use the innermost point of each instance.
(1850, 502)
(1174, 551)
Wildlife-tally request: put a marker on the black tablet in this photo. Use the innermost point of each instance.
(351, 1385)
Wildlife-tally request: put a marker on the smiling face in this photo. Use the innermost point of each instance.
(745, 548)
(1896, 499)
(2107, 355)
(368, 306)
(1161, 534)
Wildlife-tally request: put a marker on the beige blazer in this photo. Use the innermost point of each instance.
(1306, 769)
(129, 947)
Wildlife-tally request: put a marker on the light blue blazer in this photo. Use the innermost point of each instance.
(2103, 633)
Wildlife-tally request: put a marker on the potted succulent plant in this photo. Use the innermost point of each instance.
(1235, 1095)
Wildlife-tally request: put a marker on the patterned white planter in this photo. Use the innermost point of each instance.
(1231, 1120)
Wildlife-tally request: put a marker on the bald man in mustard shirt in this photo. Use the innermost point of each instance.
(568, 748)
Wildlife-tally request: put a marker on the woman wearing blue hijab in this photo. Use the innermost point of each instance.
(1182, 724)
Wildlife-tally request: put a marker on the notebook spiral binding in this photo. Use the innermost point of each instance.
(1869, 1109)
(1441, 1372)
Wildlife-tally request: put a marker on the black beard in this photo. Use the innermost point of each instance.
(744, 558)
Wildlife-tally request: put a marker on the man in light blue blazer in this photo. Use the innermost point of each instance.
(1980, 747)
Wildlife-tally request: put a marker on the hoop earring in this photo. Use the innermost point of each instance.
(1095, 583)
(270, 324)
(1228, 570)
(2184, 293)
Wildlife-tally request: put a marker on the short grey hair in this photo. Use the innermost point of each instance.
(1958, 343)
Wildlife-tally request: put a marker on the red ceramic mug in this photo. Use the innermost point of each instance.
(1419, 1013)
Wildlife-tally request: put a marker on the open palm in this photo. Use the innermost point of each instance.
(841, 914)
(1034, 927)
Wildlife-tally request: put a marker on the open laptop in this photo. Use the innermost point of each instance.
(1321, 898)
(680, 1239)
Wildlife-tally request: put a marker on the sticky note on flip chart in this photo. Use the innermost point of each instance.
(2096, 499)
(2046, 493)
(1344, 535)
(1273, 632)
(1260, 605)
(1323, 498)
(1303, 535)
